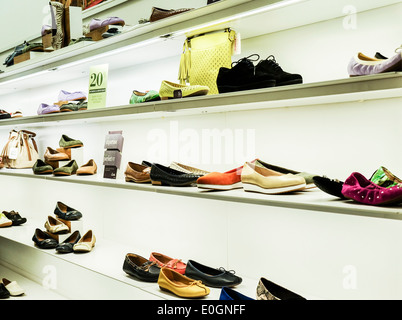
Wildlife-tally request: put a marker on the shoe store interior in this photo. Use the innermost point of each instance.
(205, 149)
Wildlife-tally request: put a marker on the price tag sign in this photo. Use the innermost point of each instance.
(97, 86)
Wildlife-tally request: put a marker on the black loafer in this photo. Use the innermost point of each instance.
(211, 277)
(4, 293)
(330, 186)
(165, 176)
(65, 212)
(44, 240)
(67, 245)
(15, 217)
(141, 268)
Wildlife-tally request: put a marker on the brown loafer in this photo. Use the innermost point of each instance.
(89, 168)
(137, 173)
(159, 13)
(54, 155)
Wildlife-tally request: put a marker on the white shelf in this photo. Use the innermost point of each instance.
(380, 86)
(309, 199)
(106, 259)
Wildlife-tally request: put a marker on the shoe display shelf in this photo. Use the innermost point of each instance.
(309, 242)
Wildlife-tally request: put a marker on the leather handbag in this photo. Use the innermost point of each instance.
(203, 55)
(20, 150)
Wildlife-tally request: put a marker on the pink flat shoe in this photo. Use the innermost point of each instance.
(360, 189)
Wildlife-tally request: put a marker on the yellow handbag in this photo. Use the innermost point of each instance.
(203, 55)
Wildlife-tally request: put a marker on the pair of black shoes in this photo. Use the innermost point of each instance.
(245, 76)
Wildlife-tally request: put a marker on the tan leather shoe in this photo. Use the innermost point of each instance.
(54, 155)
(54, 225)
(89, 168)
(86, 243)
(259, 179)
(137, 173)
(181, 285)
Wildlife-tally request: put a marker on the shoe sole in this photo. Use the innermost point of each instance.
(237, 185)
(163, 183)
(198, 93)
(255, 188)
(137, 181)
(6, 224)
(250, 86)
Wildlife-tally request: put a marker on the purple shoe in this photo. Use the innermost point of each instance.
(45, 108)
(65, 96)
(358, 188)
(361, 65)
(97, 23)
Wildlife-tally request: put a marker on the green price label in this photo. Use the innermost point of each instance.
(97, 86)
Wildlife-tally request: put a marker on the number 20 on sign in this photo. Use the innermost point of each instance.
(97, 86)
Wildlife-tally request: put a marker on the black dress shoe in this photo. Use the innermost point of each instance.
(15, 217)
(242, 77)
(162, 175)
(4, 293)
(141, 268)
(65, 212)
(271, 67)
(44, 240)
(67, 245)
(330, 186)
(211, 277)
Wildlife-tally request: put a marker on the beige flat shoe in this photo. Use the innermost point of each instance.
(86, 243)
(54, 225)
(54, 155)
(88, 168)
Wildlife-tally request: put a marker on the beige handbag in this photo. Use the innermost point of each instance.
(20, 150)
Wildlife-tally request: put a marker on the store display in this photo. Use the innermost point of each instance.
(67, 142)
(4, 114)
(55, 226)
(15, 217)
(181, 285)
(137, 173)
(361, 65)
(140, 97)
(360, 189)
(242, 76)
(20, 150)
(88, 168)
(385, 178)
(44, 240)
(211, 277)
(170, 90)
(66, 170)
(230, 294)
(163, 261)
(271, 67)
(4, 293)
(86, 243)
(203, 56)
(221, 180)
(330, 186)
(46, 109)
(141, 268)
(159, 13)
(4, 221)
(12, 287)
(165, 176)
(259, 179)
(40, 167)
(187, 169)
(66, 212)
(67, 245)
(268, 290)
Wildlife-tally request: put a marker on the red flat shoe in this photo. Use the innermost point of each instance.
(168, 262)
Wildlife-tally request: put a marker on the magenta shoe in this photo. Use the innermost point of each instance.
(358, 188)
(361, 65)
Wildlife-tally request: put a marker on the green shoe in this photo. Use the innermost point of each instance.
(40, 167)
(66, 170)
(384, 178)
(67, 142)
(139, 97)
